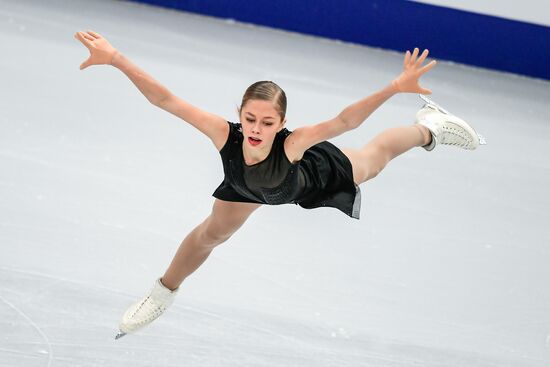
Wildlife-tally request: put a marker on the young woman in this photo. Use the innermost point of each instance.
(264, 163)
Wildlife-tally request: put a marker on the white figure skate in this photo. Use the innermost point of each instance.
(446, 128)
(147, 310)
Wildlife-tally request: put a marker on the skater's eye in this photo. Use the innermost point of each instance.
(268, 123)
(250, 120)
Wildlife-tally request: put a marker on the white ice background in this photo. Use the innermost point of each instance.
(448, 266)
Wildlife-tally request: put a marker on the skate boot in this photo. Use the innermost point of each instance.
(446, 128)
(147, 310)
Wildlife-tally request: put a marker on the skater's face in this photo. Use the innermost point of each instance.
(260, 122)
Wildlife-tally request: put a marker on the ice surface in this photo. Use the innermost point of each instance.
(449, 265)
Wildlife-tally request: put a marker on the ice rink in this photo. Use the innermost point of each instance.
(448, 266)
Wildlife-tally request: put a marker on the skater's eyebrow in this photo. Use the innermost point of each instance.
(265, 118)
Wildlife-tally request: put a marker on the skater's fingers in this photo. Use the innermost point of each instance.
(81, 38)
(407, 58)
(414, 55)
(87, 36)
(84, 38)
(422, 57)
(94, 34)
(425, 91)
(85, 64)
(78, 36)
(428, 66)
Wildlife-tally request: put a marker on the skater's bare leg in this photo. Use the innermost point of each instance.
(368, 161)
(225, 219)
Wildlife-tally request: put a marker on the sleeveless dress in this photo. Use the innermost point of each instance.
(322, 178)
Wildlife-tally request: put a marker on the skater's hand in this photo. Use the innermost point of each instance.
(408, 80)
(101, 51)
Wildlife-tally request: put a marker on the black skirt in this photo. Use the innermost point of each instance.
(330, 177)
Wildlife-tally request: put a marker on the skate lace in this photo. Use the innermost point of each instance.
(146, 312)
(455, 136)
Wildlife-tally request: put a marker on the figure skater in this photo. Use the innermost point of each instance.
(264, 163)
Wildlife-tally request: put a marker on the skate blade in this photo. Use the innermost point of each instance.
(119, 335)
(482, 140)
(430, 102)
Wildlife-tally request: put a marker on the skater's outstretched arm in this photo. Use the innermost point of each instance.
(354, 115)
(103, 53)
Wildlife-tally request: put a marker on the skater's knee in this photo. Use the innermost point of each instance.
(213, 234)
(378, 150)
(377, 155)
(224, 220)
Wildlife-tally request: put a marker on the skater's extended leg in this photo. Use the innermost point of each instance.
(225, 219)
(373, 157)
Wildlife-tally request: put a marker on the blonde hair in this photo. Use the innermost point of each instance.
(266, 90)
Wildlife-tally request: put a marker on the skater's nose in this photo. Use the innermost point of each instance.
(256, 128)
